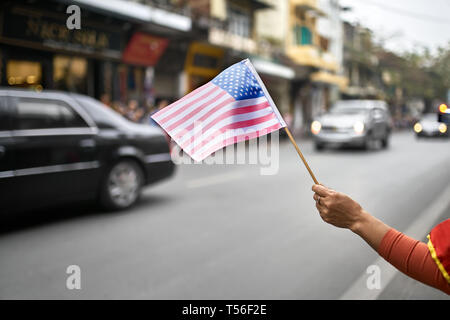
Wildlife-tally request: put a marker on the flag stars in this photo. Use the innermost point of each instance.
(239, 82)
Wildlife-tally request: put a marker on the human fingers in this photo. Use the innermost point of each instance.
(321, 190)
(321, 208)
(321, 200)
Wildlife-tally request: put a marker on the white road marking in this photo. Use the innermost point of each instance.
(216, 179)
(422, 224)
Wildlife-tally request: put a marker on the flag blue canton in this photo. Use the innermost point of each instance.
(239, 82)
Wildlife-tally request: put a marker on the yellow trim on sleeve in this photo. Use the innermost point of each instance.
(436, 259)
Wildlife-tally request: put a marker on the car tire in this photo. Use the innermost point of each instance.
(318, 146)
(122, 185)
(385, 142)
(367, 143)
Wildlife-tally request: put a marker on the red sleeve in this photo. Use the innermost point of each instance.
(413, 258)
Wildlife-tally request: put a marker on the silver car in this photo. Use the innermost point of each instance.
(353, 123)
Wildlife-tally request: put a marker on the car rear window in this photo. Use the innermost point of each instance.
(34, 113)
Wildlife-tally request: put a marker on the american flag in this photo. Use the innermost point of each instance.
(233, 107)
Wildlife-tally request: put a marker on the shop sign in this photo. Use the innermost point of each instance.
(30, 26)
(144, 49)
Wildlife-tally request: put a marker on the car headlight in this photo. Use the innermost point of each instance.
(358, 127)
(417, 127)
(315, 127)
(442, 128)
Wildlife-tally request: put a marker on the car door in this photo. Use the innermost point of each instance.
(7, 187)
(55, 151)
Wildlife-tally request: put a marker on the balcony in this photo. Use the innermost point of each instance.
(310, 55)
(223, 38)
(306, 55)
(330, 78)
(329, 62)
(308, 5)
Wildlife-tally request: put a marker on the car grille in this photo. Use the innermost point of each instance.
(330, 129)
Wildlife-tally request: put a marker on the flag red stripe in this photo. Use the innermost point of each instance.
(234, 125)
(179, 110)
(228, 114)
(237, 139)
(195, 111)
(176, 103)
(205, 116)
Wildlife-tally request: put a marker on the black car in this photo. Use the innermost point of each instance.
(57, 147)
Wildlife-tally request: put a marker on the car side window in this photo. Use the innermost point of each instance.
(33, 113)
(377, 114)
(4, 115)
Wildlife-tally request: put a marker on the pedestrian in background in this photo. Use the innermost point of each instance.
(132, 107)
(106, 99)
(119, 107)
(427, 263)
(139, 115)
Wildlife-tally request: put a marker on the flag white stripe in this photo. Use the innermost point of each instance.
(233, 133)
(232, 105)
(177, 105)
(226, 121)
(210, 96)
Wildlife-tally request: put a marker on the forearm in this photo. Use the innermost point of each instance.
(410, 256)
(370, 229)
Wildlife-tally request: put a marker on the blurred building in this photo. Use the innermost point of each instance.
(361, 64)
(113, 54)
(232, 33)
(148, 49)
(312, 37)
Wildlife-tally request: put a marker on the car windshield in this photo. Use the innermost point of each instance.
(430, 117)
(349, 107)
(103, 115)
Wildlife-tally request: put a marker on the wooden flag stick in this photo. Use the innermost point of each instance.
(300, 154)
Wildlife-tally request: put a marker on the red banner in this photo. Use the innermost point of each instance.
(144, 49)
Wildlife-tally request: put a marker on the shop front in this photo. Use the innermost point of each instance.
(108, 58)
(38, 50)
(136, 73)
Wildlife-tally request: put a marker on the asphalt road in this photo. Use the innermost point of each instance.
(226, 231)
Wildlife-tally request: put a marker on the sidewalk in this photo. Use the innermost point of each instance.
(403, 287)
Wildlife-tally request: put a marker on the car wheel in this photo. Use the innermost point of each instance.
(385, 142)
(318, 146)
(367, 144)
(122, 185)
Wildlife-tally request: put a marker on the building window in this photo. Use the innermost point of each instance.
(24, 73)
(239, 21)
(70, 74)
(302, 35)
